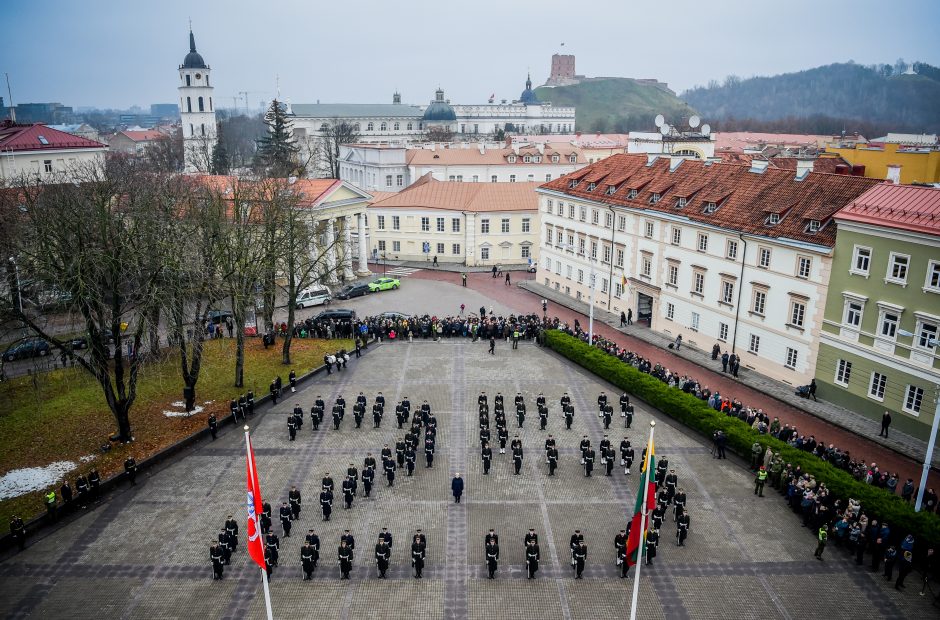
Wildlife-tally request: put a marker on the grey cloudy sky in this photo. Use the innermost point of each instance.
(115, 54)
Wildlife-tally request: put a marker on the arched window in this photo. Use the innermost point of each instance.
(203, 127)
(189, 104)
(210, 104)
(370, 127)
(207, 79)
(396, 126)
(188, 80)
(383, 127)
(192, 131)
(202, 107)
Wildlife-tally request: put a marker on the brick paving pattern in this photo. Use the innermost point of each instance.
(144, 553)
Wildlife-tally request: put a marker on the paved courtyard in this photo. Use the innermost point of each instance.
(144, 553)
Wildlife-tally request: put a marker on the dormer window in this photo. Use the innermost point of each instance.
(591, 186)
(573, 184)
(512, 159)
(710, 207)
(813, 226)
(633, 193)
(573, 158)
(555, 159)
(527, 160)
(681, 201)
(654, 199)
(538, 159)
(773, 219)
(611, 190)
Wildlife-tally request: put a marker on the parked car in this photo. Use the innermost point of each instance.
(384, 284)
(337, 314)
(394, 315)
(313, 297)
(28, 347)
(218, 316)
(532, 268)
(354, 290)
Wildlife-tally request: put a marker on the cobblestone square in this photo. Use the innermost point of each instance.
(144, 553)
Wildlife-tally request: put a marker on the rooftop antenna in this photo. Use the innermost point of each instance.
(694, 121)
(10, 94)
(706, 130)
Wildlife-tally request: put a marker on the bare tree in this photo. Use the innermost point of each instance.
(439, 134)
(101, 240)
(336, 134)
(165, 155)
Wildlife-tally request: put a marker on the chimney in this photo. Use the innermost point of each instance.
(803, 168)
(894, 173)
(541, 147)
(482, 148)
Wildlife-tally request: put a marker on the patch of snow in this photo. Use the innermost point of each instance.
(180, 404)
(88, 459)
(21, 481)
(184, 413)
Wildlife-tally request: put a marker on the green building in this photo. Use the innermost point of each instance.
(878, 344)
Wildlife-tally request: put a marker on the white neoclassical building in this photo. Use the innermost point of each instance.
(197, 110)
(717, 253)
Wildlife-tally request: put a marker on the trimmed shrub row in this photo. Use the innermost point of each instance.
(696, 414)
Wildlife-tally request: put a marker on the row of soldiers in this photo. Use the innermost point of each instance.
(402, 413)
(221, 550)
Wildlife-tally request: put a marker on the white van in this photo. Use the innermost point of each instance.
(313, 297)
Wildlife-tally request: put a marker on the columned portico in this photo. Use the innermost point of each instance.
(363, 270)
(331, 276)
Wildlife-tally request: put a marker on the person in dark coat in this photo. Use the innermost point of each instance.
(456, 486)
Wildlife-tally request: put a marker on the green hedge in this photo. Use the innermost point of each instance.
(696, 414)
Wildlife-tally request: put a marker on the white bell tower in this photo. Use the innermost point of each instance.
(197, 110)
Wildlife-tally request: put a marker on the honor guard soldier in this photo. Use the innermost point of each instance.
(601, 403)
(486, 453)
(620, 544)
(498, 401)
(400, 452)
(130, 468)
(520, 413)
(243, 406)
(337, 416)
(382, 555)
(299, 414)
(293, 498)
(406, 405)
(377, 415)
(265, 518)
(484, 436)
(565, 401)
(624, 403)
(386, 453)
(580, 558)
(314, 541)
(400, 415)
(679, 501)
(671, 482)
(368, 479)
(530, 536)
(418, 552)
(286, 519)
(609, 457)
(425, 411)
(502, 434)
(233, 409)
(429, 451)
(358, 413)
(326, 503)
(349, 492)
(327, 482)
(389, 467)
(18, 532)
(66, 492)
(517, 458)
(492, 555)
(250, 399)
(292, 381)
(652, 544)
(380, 401)
(543, 416)
(272, 545)
(316, 415)
(268, 563)
(481, 399)
(272, 389)
(589, 462)
(682, 529)
(569, 415)
(349, 539)
(573, 543)
(345, 557)
(658, 516)
(94, 484)
(519, 399)
(361, 399)
(540, 400)
(81, 485)
(231, 528)
(411, 458)
(622, 562)
(353, 474)
(341, 402)
(532, 559)
(386, 536)
(216, 556)
(662, 465)
(226, 546)
(292, 426)
(306, 561)
(549, 444)
(585, 445)
(607, 415)
(552, 460)
(604, 445)
(628, 459)
(628, 416)
(213, 426)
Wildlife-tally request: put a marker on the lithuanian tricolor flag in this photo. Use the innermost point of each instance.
(636, 542)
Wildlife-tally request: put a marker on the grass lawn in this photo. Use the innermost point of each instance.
(63, 417)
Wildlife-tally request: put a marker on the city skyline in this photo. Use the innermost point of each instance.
(379, 50)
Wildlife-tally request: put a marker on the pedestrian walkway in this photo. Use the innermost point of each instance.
(899, 442)
(400, 272)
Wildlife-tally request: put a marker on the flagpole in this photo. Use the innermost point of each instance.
(642, 547)
(264, 573)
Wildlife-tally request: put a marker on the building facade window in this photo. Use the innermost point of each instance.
(888, 327)
(913, 399)
(526, 253)
(932, 283)
(512, 178)
(698, 283)
(649, 230)
(504, 225)
(485, 228)
(647, 267)
(396, 246)
(897, 268)
(582, 214)
(620, 258)
(804, 267)
(485, 253)
(381, 245)
(861, 260)
(606, 258)
(399, 180)
(791, 358)
(571, 211)
(380, 222)
(47, 165)
(876, 388)
(695, 322)
(580, 276)
(727, 291)
(526, 224)
(621, 223)
(595, 217)
(440, 248)
(673, 277)
(440, 224)
(852, 313)
(925, 335)
(702, 242)
(594, 250)
(455, 224)
(581, 243)
(731, 251)
(676, 235)
(396, 222)
(754, 345)
(425, 224)
(723, 332)
(760, 301)
(843, 373)
(797, 313)
(493, 179)
(388, 180)
(763, 258)
(670, 311)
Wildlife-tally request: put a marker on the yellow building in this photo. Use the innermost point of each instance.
(917, 164)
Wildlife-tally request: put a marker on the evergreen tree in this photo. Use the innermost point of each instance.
(220, 160)
(277, 151)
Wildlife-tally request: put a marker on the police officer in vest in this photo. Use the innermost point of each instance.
(759, 480)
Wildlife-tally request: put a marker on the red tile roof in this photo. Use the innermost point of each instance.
(904, 207)
(744, 198)
(427, 193)
(147, 135)
(16, 137)
(310, 191)
(820, 164)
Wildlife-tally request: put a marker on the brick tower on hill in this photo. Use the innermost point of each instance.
(562, 71)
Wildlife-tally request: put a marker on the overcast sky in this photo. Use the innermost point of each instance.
(111, 53)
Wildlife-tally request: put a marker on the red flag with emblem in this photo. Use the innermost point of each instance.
(255, 543)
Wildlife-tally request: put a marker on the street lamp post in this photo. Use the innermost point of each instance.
(16, 276)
